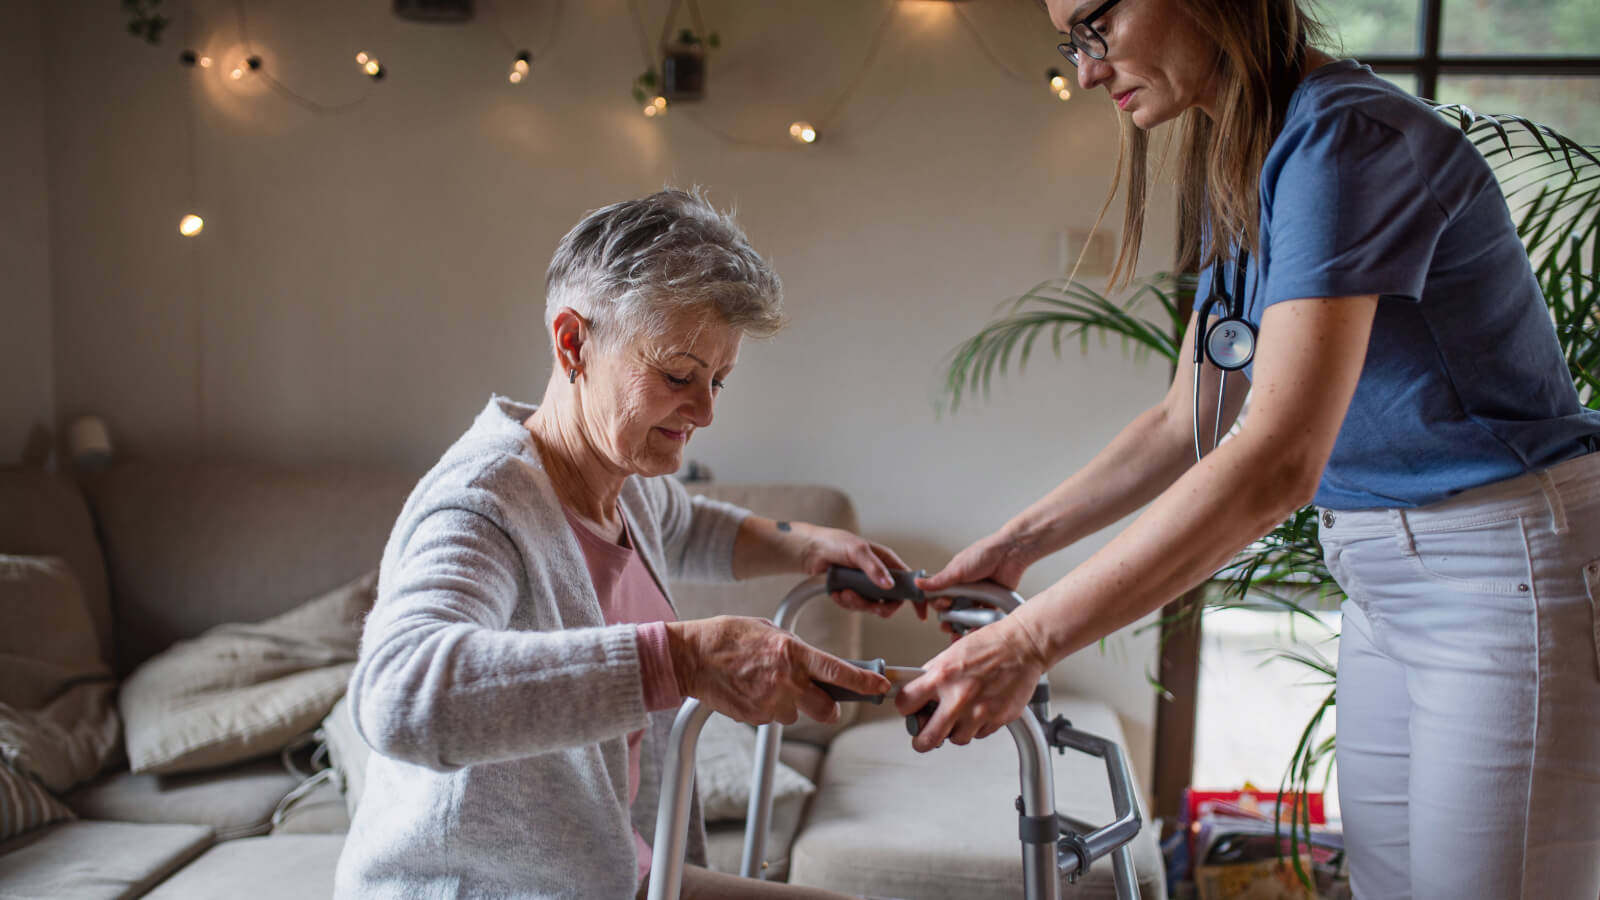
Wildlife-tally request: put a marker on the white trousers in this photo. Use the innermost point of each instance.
(1469, 691)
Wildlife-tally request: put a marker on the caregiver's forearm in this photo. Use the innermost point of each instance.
(1216, 508)
(1141, 461)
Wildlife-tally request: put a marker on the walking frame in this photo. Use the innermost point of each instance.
(1055, 847)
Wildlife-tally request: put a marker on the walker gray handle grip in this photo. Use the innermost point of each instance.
(842, 578)
(845, 695)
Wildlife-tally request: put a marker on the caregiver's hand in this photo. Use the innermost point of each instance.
(980, 682)
(826, 547)
(755, 672)
(994, 558)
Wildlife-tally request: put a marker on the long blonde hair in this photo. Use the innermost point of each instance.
(1261, 53)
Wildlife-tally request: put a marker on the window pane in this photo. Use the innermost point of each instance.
(1374, 27)
(1570, 105)
(1519, 27)
(1253, 704)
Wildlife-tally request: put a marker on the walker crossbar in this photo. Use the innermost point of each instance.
(1049, 853)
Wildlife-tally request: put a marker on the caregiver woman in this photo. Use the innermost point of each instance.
(1407, 378)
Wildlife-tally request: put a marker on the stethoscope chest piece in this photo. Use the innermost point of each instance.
(1231, 343)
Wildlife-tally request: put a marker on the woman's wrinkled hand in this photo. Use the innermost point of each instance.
(981, 683)
(753, 671)
(826, 547)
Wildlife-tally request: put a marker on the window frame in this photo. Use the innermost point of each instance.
(1428, 63)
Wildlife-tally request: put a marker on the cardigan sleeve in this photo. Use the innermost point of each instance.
(442, 682)
(697, 533)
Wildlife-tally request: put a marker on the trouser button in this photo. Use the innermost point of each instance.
(1327, 518)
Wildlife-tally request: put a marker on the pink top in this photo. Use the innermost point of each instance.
(628, 593)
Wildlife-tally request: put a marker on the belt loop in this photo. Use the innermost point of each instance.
(1402, 536)
(1552, 499)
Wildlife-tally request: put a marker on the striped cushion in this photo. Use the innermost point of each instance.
(25, 804)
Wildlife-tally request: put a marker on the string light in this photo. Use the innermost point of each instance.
(191, 58)
(656, 107)
(370, 65)
(803, 133)
(190, 225)
(250, 64)
(1058, 84)
(520, 66)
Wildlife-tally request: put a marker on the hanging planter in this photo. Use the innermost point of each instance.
(683, 66)
(681, 76)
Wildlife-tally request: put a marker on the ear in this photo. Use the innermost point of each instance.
(569, 331)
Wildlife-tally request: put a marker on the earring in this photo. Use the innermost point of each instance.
(572, 375)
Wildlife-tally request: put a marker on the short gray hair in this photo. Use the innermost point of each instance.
(634, 269)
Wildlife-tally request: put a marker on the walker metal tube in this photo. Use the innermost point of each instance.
(672, 816)
(758, 815)
(1040, 879)
(1124, 803)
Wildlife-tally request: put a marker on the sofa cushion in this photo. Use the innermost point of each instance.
(281, 867)
(320, 810)
(889, 821)
(724, 764)
(725, 840)
(823, 624)
(241, 691)
(347, 753)
(58, 716)
(25, 804)
(233, 802)
(190, 546)
(44, 514)
(96, 860)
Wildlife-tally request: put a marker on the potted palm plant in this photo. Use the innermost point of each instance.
(1552, 184)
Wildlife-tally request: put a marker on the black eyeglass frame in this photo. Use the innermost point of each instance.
(1084, 36)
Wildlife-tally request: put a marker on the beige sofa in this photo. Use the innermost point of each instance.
(165, 552)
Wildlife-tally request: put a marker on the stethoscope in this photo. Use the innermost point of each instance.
(1230, 344)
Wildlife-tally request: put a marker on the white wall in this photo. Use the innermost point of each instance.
(27, 390)
(367, 278)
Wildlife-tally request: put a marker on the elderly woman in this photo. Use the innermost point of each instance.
(1409, 381)
(519, 673)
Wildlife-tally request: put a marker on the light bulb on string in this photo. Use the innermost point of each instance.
(248, 65)
(361, 58)
(1058, 84)
(190, 225)
(803, 132)
(519, 66)
(656, 107)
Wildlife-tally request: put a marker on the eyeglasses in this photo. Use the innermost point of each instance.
(1085, 38)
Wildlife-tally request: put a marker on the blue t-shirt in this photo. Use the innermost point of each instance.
(1369, 191)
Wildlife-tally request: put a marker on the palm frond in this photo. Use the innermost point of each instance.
(1552, 184)
(1064, 310)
